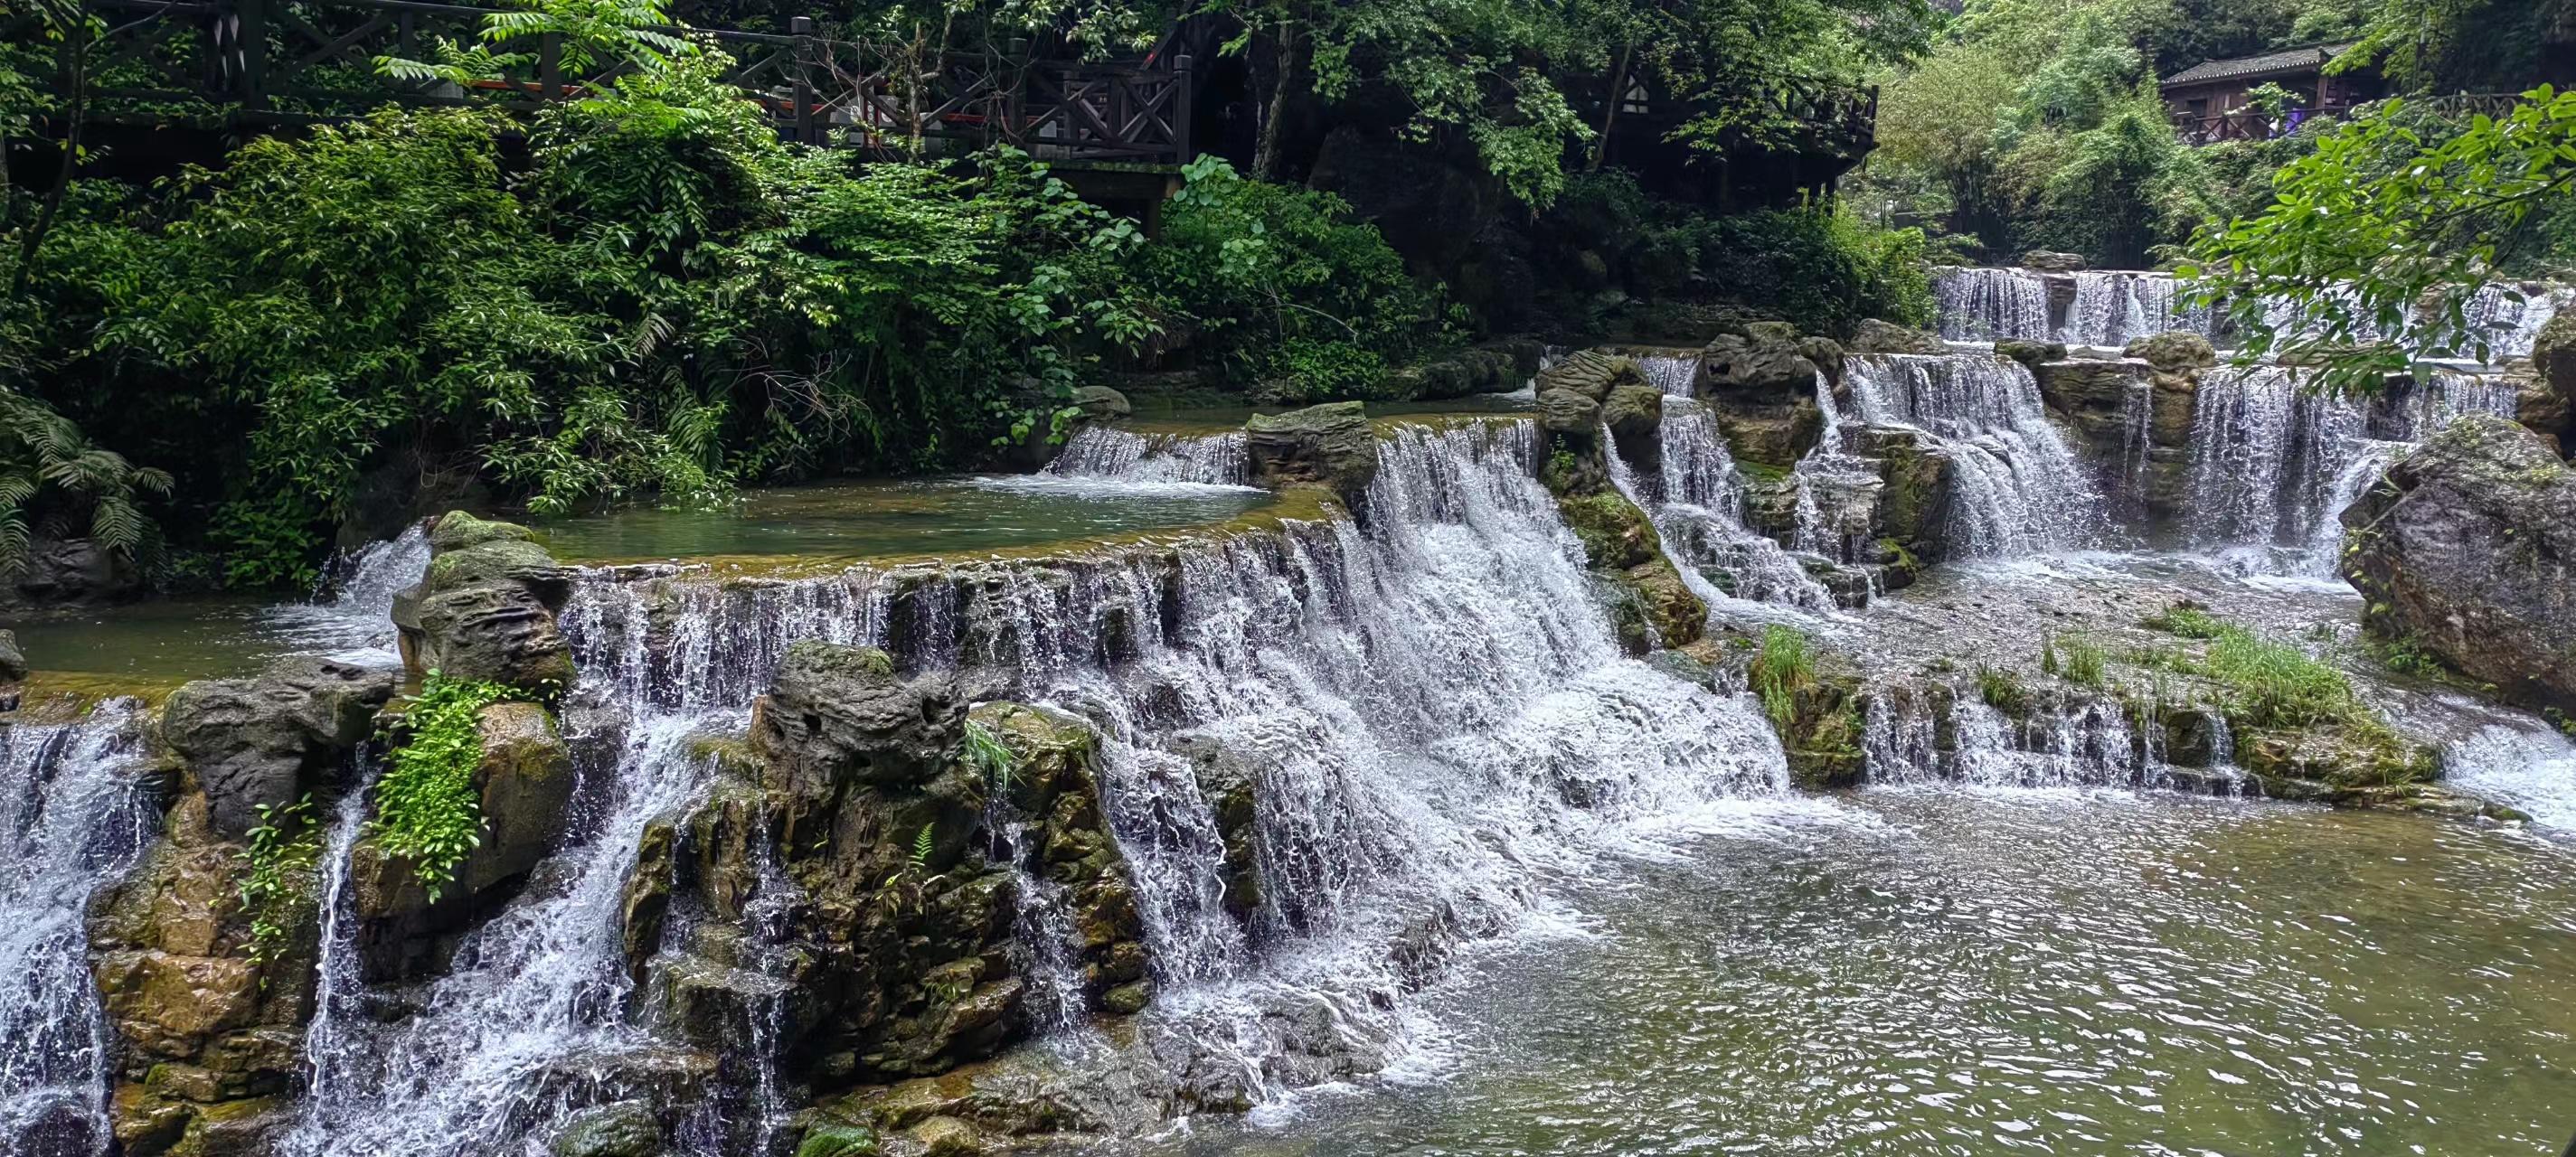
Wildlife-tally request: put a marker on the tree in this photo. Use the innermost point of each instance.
(2374, 245)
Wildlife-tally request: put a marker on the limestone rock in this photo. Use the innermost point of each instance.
(1569, 413)
(2543, 409)
(1635, 415)
(840, 714)
(486, 609)
(1614, 533)
(1099, 403)
(2051, 261)
(13, 662)
(1872, 336)
(267, 739)
(1763, 367)
(2032, 354)
(2553, 356)
(524, 783)
(1591, 374)
(2464, 549)
(1775, 436)
(1329, 445)
(1667, 604)
(69, 571)
(622, 1129)
(2174, 352)
(1825, 352)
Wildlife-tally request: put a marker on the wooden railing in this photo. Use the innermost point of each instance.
(285, 61)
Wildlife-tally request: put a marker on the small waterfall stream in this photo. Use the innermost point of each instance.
(2016, 488)
(74, 812)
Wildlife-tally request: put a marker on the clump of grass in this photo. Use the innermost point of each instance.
(1785, 665)
(2073, 658)
(2276, 684)
(2002, 690)
(2188, 621)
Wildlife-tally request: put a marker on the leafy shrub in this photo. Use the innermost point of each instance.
(427, 811)
(2276, 684)
(278, 856)
(1282, 284)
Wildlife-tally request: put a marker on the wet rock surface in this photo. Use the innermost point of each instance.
(1329, 445)
(2463, 549)
(264, 741)
(486, 609)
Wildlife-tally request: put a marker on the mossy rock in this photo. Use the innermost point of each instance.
(457, 530)
(834, 1139)
(1615, 534)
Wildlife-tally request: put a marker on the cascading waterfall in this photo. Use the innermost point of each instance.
(2275, 462)
(2116, 307)
(1107, 453)
(74, 813)
(1697, 504)
(1981, 304)
(1434, 705)
(2015, 486)
(351, 616)
(2083, 743)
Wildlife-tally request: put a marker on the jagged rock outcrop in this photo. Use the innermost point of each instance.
(1873, 336)
(1329, 445)
(1634, 414)
(267, 739)
(2464, 550)
(69, 572)
(2553, 361)
(2052, 261)
(907, 830)
(2175, 352)
(486, 609)
(206, 1013)
(1498, 366)
(523, 785)
(1760, 387)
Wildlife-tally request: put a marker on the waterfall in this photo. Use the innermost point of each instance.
(1434, 707)
(2015, 486)
(2519, 761)
(1673, 376)
(2116, 307)
(2275, 462)
(351, 614)
(1978, 304)
(1109, 454)
(74, 814)
(2077, 743)
(2510, 317)
(1697, 507)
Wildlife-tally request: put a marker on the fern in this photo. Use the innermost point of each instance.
(985, 752)
(921, 848)
(52, 480)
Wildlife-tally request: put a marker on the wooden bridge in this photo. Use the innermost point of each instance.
(269, 62)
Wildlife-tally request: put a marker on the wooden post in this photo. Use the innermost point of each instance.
(1181, 101)
(252, 31)
(803, 29)
(550, 66)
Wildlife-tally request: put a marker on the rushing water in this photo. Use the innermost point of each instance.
(2015, 486)
(2004, 972)
(2274, 461)
(74, 812)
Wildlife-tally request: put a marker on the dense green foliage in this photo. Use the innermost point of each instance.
(427, 809)
(1817, 267)
(2374, 244)
(2039, 125)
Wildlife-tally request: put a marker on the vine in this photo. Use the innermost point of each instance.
(281, 851)
(426, 808)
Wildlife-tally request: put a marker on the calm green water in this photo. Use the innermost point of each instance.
(860, 520)
(1957, 973)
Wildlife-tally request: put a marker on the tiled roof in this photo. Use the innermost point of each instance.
(2286, 60)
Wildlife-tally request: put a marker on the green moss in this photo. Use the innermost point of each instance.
(2003, 691)
(2186, 620)
(1760, 471)
(426, 807)
(834, 1139)
(1614, 533)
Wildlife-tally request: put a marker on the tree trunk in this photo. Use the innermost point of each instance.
(1610, 117)
(75, 69)
(1283, 72)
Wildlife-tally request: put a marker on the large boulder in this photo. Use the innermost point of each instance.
(1568, 413)
(2553, 358)
(1872, 336)
(523, 784)
(1635, 416)
(269, 738)
(70, 571)
(2464, 549)
(2051, 261)
(486, 608)
(840, 714)
(1591, 374)
(13, 662)
(2174, 352)
(1763, 363)
(1328, 445)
